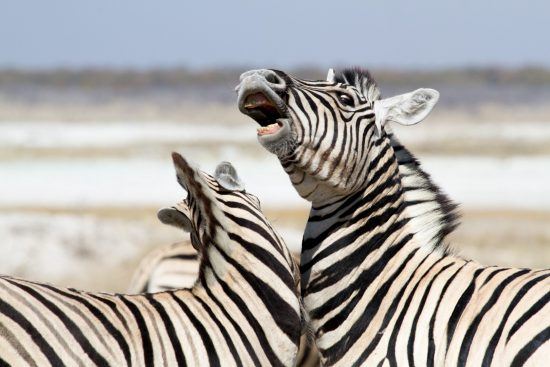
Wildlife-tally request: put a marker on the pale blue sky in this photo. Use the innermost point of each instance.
(282, 33)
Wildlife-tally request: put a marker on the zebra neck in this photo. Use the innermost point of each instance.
(354, 222)
(263, 275)
(403, 198)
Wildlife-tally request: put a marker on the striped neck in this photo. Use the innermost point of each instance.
(254, 268)
(358, 239)
(353, 222)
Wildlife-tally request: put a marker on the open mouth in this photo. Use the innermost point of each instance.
(265, 112)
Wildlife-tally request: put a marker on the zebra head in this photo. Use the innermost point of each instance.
(202, 213)
(326, 133)
(218, 210)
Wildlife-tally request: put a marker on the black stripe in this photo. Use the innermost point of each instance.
(73, 328)
(528, 314)
(242, 336)
(527, 351)
(284, 316)
(111, 329)
(223, 330)
(256, 326)
(488, 358)
(406, 306)
(213, 359)
(183, 257)
(341, 203)
(321, 97)
(470, 333)
(372, 222)
(431, 341)
(37, 338)
(241, 206)
(169, 327)
(336, 161)
(299, 104)
(387, 318)
(114, 307)
(367, 277)
(3, 363)
(459, 307)
(268, 259)
(360, 208)
(255, 227)
(412, 336)
(492, 275)
(148, 356)
(333, 273)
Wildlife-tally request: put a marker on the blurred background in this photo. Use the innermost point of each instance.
(94, 96)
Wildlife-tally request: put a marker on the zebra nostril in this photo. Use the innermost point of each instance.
(272, 78)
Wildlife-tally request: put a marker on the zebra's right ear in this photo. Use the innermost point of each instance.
(227, 177)
(176, 216)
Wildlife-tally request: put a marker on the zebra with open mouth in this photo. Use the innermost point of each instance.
(378, 280)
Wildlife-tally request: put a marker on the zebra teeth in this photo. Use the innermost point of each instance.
(269, 129)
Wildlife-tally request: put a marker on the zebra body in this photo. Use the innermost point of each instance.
(176, 266)
(378, 282)
(243, 309)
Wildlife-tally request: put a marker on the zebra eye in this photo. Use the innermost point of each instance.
(345, 99)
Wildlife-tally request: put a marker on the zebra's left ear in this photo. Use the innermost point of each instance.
(227, 177)
(330, 75)
(405, 109)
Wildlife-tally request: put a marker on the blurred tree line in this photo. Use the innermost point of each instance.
(122, 79)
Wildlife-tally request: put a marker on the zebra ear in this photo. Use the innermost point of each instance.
(330, 75)
(177, 216)
(227, 177)
(405, 109)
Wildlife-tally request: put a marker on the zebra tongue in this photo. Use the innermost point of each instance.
(269, 129)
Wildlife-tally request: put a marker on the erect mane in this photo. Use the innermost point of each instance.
(436, 213)
(361, 79)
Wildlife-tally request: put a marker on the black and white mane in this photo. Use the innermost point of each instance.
(443, 212)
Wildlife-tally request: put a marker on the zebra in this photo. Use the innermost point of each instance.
(379, 281)
(169, 267)
(177, 266)
(243, 310)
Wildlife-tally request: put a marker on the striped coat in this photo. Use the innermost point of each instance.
(165, 268)
(176, 266)
(243, 310)
(378, 281)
